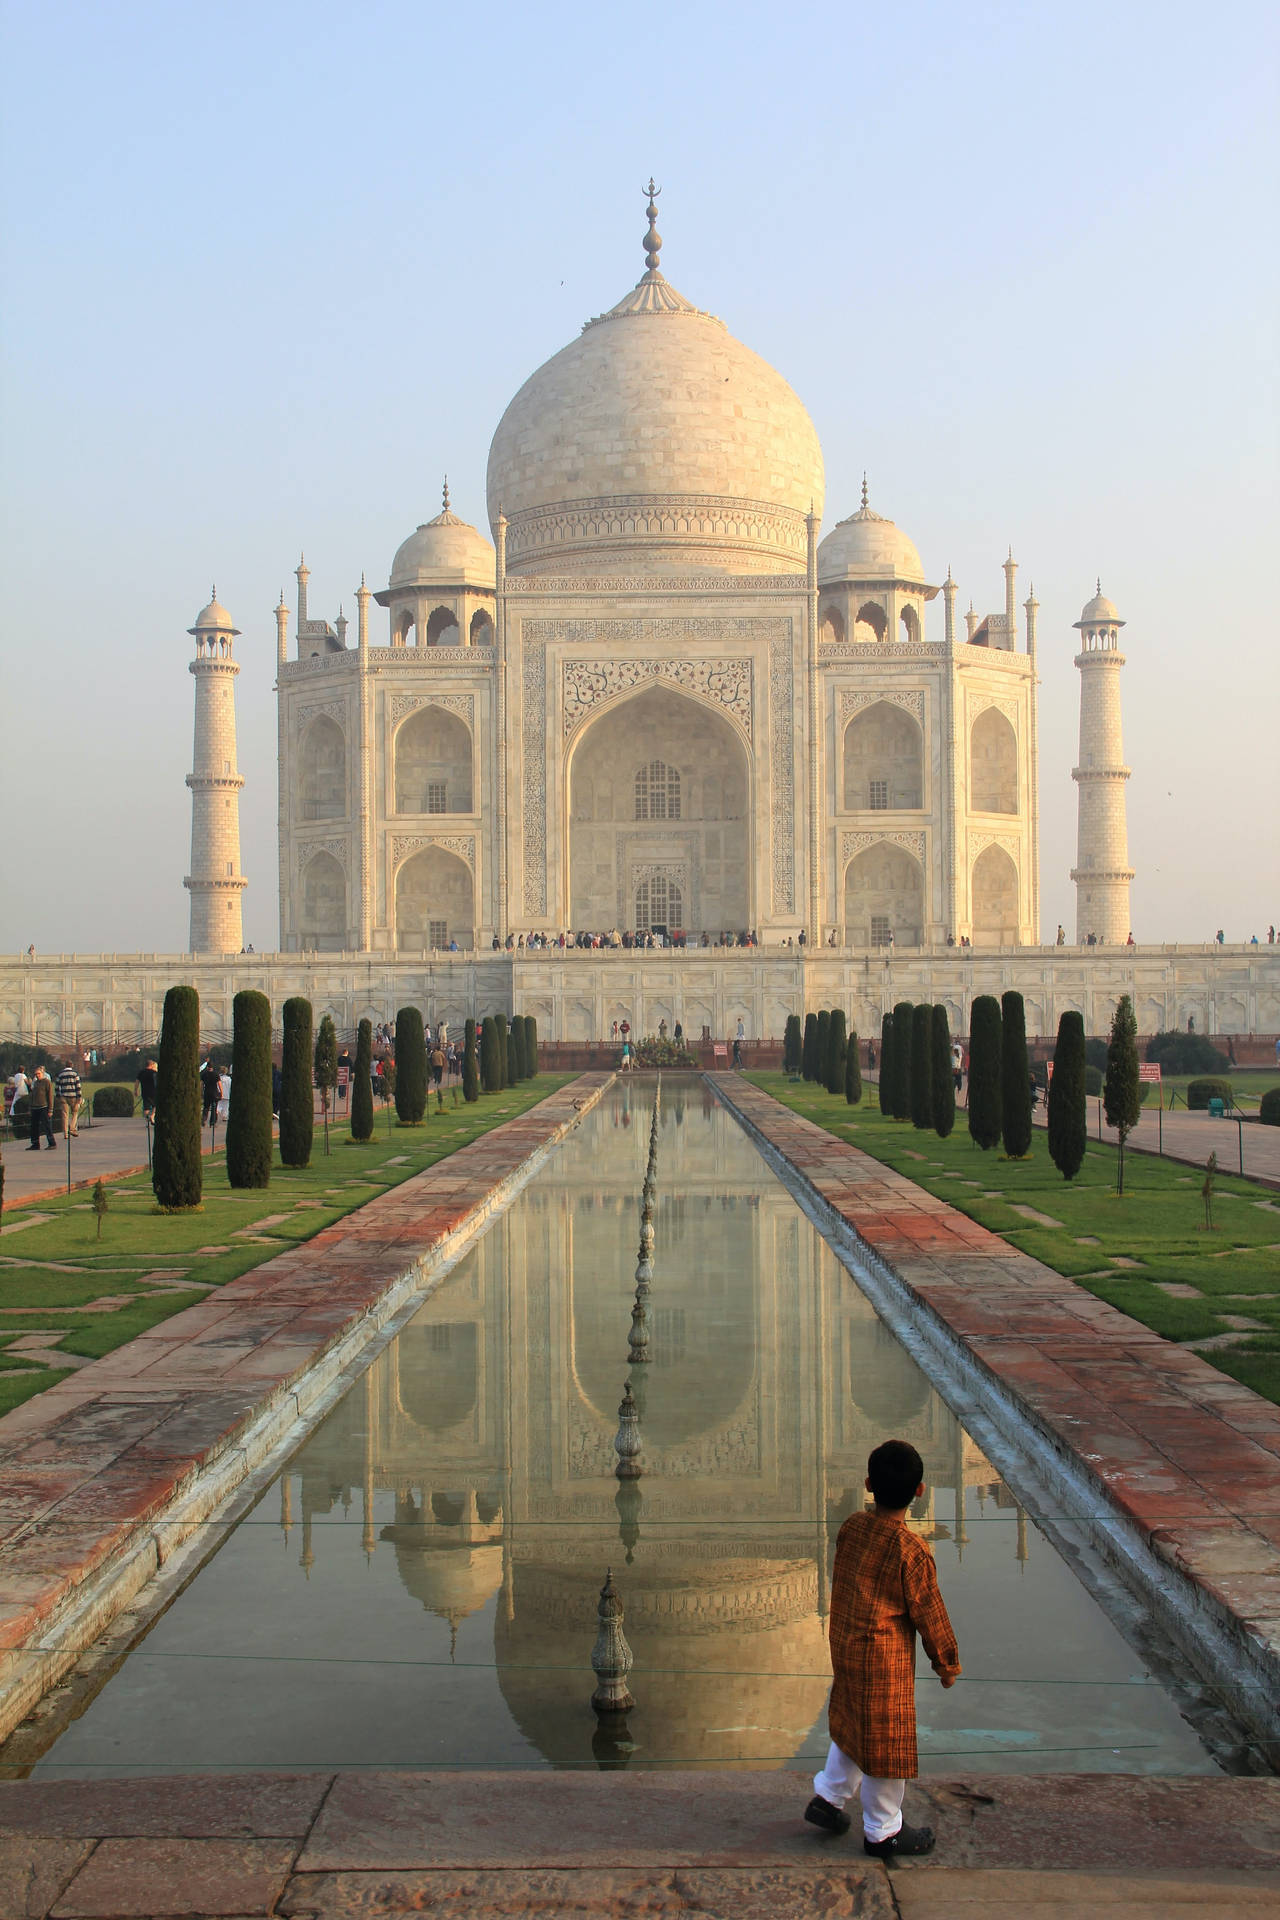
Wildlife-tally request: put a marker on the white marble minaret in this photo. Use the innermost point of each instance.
(1102, 872)
(215, 881)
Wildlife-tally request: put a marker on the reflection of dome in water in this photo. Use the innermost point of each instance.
(731, 1663)
(452, 1580)
(885, 1383)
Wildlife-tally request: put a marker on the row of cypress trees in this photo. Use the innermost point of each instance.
(915, 1067)
(826, 1052)
(177, 1172)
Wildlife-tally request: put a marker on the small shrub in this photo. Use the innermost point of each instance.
(326, 1068)
(885, 1088)
(124, 1066)
(1093, 1081)
(362, 1084)
(113, 1103)
(100, 1204)
(1269, 1109)
(837, 1049)
(822, 1047)
(297, 1107)
(792, 1044)
(490, 1057)
(809, 1047)
(1015, 1079)
(1068, 1120)
(1120, 1088)
(1211, 1087)
(1185, 1053)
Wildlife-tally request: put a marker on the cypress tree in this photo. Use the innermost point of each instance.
(885, 1088)
(504, 1048)
(297, 1104)
(326, 1067)
(809, 1046)
(470, 1065)
(922, 1065)
(852, 1071)
(519, 1042)
(531, 1045)
(411, 1067)
(792, 1044)
(176, 1174)
(490, 1058)
(984, 1072)
(1121, 1091)
(903, 1019)
(944, 1086)
(362, 1084)
(249, 1110)
(837, 1045)
(821, 1047)
(1015, 1078)
(1068, 1117)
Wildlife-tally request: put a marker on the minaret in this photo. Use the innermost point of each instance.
(215, 881)
(1102, 872)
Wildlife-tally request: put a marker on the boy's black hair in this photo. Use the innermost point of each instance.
(895, 1470)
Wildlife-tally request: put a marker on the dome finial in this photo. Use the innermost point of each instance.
(214, 594)
(652, 239)
(446, 493)
(865, 496)
(1099, 583)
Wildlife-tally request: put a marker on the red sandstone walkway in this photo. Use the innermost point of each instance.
(1185, 1454)
(87, 1466)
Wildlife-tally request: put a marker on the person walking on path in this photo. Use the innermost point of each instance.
(884, 1591)
(68, 1090)
(22, 1087)
(147, 1077)
(211, 1089)
(41, 1098)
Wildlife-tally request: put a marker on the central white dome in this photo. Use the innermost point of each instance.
(655, 440)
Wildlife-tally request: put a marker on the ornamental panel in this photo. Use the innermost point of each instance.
(400, 704)
(979, 702)
(585, 683)
(337, 846)
(911, 701)
(334, 709)
(403, 845)
(852, 844)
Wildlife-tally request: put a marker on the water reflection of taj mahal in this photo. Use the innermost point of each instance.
(491, 1421)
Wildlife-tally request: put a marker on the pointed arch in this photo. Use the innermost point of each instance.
(995, 899)
(442, 628)
(323, 922)
(883, 760)
(322, 771)
(872, 623)
(433, 759)
(435, 901)
(993, 764)
(481, 629)
(883, 895)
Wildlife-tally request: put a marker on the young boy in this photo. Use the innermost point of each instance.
(883, 1592)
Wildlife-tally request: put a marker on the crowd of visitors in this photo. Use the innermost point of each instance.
(644, 939)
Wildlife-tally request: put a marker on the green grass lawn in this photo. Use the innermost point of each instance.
(65, 1292)
(1148, 1254)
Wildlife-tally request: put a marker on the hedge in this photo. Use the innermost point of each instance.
(297, 1106)
(113, 1103)
(504, 1048)
(809, 1047)
(490, 1057)
(249, 1143)
(1211, 1087)
(1269, 1108)
(903, 1020)
(176, 1173)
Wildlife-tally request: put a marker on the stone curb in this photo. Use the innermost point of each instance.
(95, 1496)
(1174, 1467)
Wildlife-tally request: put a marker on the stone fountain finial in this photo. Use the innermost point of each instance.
(611, 1656)
(638, 1352)
(627, 1443)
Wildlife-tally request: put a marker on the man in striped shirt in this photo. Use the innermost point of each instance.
(67, 1087)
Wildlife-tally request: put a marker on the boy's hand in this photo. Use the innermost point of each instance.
(948, 1680)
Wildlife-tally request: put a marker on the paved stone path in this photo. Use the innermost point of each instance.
(109, 1148)
(1187, 1456)
(723, 1846)
(88, 1466)
(1194, 1136)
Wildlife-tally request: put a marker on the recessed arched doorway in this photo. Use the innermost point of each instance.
(884, 897)
(435, 902)
(659, 819)
(995, 899)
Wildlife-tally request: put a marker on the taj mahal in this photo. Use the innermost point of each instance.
(656, 697)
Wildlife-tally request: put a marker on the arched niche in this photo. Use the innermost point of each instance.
(323, 924)
(619, 840)
(433, 763)
(438, 1374)
(883, 759)
(883, 895)
(909, 621)
(322, 771)
(403, 627)
(435, 901)
(481, 631)
(995, 899)
(832, 625)
(871, 624)
(993, 764)
(442, 628)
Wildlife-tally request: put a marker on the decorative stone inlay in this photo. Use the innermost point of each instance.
(683, 867)
(1010, 842)
(979, 703)
(334, 709)
(910, 701)
(891, 650)
(418, 659)
(587, 682)
(647, 518)
(400, 704)
(405, 844)
(782, 823)
(619, 635)
(852, 844)
(569, 584)
(336, 845)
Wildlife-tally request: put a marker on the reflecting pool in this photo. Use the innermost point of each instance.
(419, 1587)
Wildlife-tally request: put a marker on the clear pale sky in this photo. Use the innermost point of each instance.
(270, 270)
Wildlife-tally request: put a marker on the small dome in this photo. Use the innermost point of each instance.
(214, 619)
(445, 552)
(868, 547)
(1100, 612)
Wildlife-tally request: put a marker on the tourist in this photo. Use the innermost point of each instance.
(738, 1038)
(211, 1093)
(437, 1064)
(68, 1100)
(41, 1096)
(1062, 935)
(21, 1088)
(146, 1083)
(1130, 941)
(884, 1590)
(957, 1066)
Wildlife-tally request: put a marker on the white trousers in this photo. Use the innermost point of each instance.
(881, 1800)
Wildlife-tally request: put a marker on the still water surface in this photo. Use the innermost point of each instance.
(419, 1587)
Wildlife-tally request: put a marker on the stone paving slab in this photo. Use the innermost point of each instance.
(724, 1846)
(1188, 1457)
(90, 1467)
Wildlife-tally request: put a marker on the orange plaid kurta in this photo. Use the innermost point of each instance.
(883, 1592)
